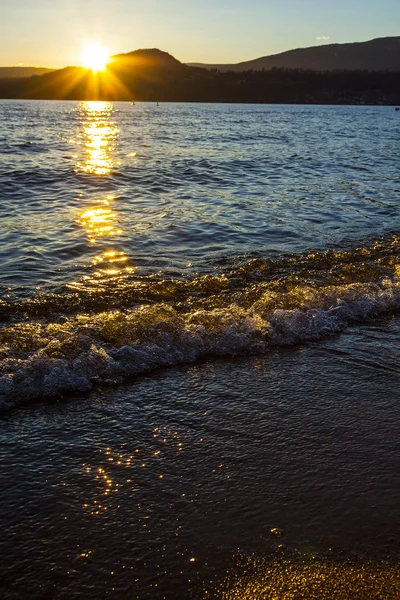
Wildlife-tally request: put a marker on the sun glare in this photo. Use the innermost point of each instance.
(95, 57)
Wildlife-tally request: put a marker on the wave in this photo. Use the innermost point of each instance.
(258, 304)
(239, 280)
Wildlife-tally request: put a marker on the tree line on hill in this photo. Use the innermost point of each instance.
(158, 77)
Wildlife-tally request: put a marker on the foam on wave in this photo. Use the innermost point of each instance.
(231, 280)
(40, 359)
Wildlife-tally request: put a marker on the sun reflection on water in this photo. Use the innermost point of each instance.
(112, 263)
(116, 474)
(98, 222)
(98, 136)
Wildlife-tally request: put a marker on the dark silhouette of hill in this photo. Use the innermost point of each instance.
(12, 72)
(141, 74)
(146, 73)
(153, 75)
(381, 54)
(69, 83)
(146, 59)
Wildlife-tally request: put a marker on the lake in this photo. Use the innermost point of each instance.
(199, 350)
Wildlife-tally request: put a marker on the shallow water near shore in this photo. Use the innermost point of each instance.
(199, 351)
(157, 488)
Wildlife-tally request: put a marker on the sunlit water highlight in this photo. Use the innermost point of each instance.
(140, 237)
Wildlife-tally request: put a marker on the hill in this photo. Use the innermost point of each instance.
(146, 73)
(381, 54)
(146, 59)
(14, 72)
(156, 76)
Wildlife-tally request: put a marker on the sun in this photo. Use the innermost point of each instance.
(95, 57)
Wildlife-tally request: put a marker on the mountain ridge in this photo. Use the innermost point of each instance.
(379, 54)
(22, 71)
(155, 76)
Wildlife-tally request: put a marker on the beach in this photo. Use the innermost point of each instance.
(156, 488)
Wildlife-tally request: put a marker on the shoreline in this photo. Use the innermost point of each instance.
(200, 102)
(168, 479)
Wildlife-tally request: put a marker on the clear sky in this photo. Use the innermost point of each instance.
(51, 33)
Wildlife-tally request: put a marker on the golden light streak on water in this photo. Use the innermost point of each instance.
(112, 263)
(98, 136)
(100, 221)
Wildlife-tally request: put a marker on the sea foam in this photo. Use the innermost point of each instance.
(48, 359)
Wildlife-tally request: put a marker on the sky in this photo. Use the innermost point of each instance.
(52, 33)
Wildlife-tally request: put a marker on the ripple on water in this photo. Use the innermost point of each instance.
(253, 178)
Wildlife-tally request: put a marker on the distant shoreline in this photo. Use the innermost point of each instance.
(155, 76)
(233, 103)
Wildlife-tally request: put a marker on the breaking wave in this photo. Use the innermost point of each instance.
(50, 346)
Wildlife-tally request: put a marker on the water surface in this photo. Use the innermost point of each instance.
(198, 350)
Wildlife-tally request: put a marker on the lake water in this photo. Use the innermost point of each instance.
(199, 349)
